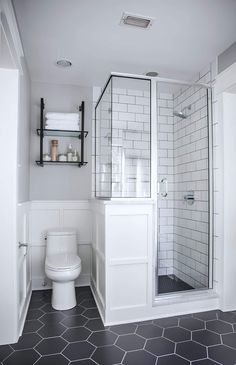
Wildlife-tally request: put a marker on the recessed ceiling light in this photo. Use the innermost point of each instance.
(152, 74)
(135, 20)
(63, 63)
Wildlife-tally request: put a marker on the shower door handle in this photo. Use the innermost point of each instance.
(162, 187)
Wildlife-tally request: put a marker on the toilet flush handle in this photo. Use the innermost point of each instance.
(21, 244)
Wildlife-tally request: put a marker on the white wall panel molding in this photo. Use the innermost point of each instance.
(45, 215)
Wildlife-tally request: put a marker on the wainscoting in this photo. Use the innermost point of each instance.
(45, 215)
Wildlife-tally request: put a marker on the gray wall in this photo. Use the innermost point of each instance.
(24, 135)
(227, 58)
(59, 182)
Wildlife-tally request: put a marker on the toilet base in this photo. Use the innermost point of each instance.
(63, 295)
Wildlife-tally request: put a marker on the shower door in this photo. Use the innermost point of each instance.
(184, 186)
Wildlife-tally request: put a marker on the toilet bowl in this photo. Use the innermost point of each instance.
(62, 266)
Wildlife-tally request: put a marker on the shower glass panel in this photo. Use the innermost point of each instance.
(123, 139)
(103, 143)
(183, 249)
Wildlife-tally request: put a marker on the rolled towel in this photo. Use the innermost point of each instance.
(62, 116)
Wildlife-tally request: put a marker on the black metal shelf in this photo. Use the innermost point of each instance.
(62, 133)
(43, 132)
(75, 163)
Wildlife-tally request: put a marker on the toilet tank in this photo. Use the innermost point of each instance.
(59, 242)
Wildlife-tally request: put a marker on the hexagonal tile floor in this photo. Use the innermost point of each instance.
(78, 337)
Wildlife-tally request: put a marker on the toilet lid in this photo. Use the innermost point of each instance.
(63, 262)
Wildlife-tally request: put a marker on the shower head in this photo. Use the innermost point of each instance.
(179, 114)
(182, 113)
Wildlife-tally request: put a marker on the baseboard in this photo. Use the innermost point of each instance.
(42, 283)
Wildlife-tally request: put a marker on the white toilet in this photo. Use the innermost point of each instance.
(62, 266)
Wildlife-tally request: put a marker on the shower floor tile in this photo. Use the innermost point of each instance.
(78, 337)
(167, 284)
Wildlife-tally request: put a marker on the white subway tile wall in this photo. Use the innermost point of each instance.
(191, 249)
(123, 143)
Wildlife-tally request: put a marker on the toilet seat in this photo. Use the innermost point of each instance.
(62, 262)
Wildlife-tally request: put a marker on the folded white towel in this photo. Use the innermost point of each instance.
(63, 128)
(61, 122)
(62, 116)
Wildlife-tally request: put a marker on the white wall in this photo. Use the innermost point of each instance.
(75, 183)
(8, 196)
(23, 152)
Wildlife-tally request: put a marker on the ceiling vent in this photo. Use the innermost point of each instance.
(134, 20)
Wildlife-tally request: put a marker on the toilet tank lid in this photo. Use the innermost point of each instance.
(61, 232)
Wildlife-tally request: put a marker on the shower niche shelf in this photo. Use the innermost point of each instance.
(43, 132)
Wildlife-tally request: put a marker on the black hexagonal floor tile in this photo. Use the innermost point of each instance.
(229, 317)
(229, 340)
(124, 329)
(52, 317)
(47, 308)
(130, 342)
(191, 324)
(166, 322)
(139, 357)
(27, 341)
(88, 303)
(191, 350)
(222, 354)
(177, 334)
(206, 338)
(172, 360)
(32, 326)
(37, 304)
(160, 346)
(219, 326)
(5, 350)
(53, 360)
(24, 357)
(79, 350)
(76, 334)
(91, 313)
(206, 316)
(95, 325)
(51, 346)
(34, 314)
(74, 311)
(149, 331)
(74, 321)
(108, 355)
(84, 362)
(102, 338)
(51, 330)
(205, 362)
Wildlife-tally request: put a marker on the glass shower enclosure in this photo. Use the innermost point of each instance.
(123, 139)
(169, 162)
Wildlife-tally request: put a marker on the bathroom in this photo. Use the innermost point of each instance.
(136, 193)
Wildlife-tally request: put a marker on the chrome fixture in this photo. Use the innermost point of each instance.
(162, 187)
(22, 244)
(189, 197)
(182, 114)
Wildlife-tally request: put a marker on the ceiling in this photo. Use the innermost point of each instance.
(185, 37)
